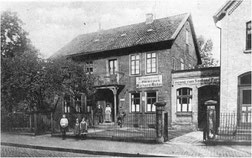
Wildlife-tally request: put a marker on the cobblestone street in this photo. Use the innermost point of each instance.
(8, 151)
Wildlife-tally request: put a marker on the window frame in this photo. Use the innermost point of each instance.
(135, 62)
(146, 101)
(182, 64)
(180, 97)
(248, 37)
(151, 66)
(89, 67)
(115, 66)
(174, 63)
(66, 104)
(130, 102)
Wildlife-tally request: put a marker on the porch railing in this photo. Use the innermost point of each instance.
(107, 79)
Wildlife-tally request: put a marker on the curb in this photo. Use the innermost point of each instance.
(81, 151)
(227, 142)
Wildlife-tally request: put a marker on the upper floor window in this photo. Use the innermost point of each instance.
(187, 37)
(135, 64)
(173, 63)
(135, 102)
(89, 67)
(112, 66)
(182, 64)
(151, 63)
(184, 99)
(248, 35)
(151, 99)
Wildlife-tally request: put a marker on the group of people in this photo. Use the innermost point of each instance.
(99, 114)
(80, 128)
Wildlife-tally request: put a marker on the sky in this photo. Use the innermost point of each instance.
(52, 24)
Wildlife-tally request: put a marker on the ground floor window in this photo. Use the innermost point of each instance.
(78, 103)
(184, 99)
(135, 102)
(151, 99)
(67, 104)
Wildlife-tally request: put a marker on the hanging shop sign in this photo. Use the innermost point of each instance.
(149, 81)
(199, 81)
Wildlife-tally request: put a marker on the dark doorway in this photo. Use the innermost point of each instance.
(105, 97)
(205, 94)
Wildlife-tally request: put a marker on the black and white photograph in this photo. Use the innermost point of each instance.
(126, 78)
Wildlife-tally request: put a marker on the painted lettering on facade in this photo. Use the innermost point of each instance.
(149, 81)
(199, 81)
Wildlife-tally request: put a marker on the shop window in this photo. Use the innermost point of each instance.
(248, 35)
(151, 63)
(67, 104)
(151, 99)
(89, 67)
(135, 64)
(135, 102)
(184, 99)
(112, 66)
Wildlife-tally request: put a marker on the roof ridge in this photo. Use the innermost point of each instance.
(133, 24)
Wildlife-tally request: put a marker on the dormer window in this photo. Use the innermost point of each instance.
(248, 35)
(124, 34)
(150, 30)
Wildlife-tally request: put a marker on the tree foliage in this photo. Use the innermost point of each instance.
(29, 82)
(14, 39)
(205, 48)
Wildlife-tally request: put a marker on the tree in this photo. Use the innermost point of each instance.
(14, 39)
(205, 48)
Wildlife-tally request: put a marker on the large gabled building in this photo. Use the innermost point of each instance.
(133, 63)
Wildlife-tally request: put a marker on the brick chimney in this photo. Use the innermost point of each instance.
(149, 18)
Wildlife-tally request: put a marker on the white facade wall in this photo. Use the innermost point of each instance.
(234, 61)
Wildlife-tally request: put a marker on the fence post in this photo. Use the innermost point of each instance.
(35, 123)
(52, 126)
(159, 121)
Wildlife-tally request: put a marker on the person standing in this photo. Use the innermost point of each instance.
(63, 125)
(99, 114)
(108, 114)
(77, 129)
(83, 128)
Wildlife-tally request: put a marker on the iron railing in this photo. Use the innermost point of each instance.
(134, 127)
(232, 127)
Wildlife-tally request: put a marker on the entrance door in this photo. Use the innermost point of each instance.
(245, 105)
(244, 97)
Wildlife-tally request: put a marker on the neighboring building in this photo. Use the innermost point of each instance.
(235, 89)
(134, 63)
(192, 90)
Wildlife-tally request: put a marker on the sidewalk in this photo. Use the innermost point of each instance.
(187, 145)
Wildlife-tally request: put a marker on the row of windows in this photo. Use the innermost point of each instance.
(151, 64)
(151, 98)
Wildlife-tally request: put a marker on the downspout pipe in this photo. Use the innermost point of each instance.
(218, 114)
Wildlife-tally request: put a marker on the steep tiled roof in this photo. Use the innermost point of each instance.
(126, 36)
